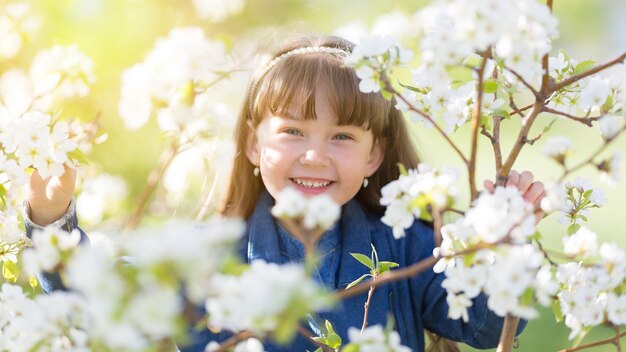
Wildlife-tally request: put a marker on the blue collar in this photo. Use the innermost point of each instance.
(264, 240)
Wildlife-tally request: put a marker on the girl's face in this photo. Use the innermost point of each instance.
(313, 156)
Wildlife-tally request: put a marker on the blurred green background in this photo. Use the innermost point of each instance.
(119, 33)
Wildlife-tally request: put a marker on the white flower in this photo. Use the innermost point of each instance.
(65, 70)
(595, 94)
(558, 148)
(49, 247)
(610, 169)
(368, 83)
(555, 198)
(315, 212)
(610, 125)
(375, 339)
(458, 305)
(217, 10)
(100, 194)
(262, 296)
(583, 243)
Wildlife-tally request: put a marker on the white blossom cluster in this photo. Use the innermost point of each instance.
(590, 96)
(111, 302)
(374, 56)
(16, 23)
(55, 322)
(217, 10)
(519, 31)
(58, 72)
(264, 298)
(51, 249)
(610, 169)
(409, 196)
(508, 269)
(591, 288)
(375, 339)
(249, 345)
(100, 195)
(558, 148)
(319, 211)
(34, 140)
(441, 99)
(581, 196)
(172, 82)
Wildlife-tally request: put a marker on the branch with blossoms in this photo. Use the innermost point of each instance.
(513, 68)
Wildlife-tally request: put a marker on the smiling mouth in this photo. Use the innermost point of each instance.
(311, 184)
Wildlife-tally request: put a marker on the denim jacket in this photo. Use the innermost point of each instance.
(416, 303)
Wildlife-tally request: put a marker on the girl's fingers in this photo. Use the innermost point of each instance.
(513, 178)
(535, 192)
(488, 185)
(525, 180)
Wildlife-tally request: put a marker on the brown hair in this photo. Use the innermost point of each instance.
(293, 79)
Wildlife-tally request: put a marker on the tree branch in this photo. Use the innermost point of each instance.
(590, 159)
(153, 180)
(233, 341)
(584, 120)
(471, 166)
(508, 333)
(392, 90)
(558, 86)
(528, 85)
(597, 343)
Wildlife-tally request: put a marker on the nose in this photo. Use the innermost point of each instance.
(315, 155)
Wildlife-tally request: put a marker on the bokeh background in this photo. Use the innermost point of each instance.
(117, 34)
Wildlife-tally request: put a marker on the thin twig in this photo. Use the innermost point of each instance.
(558, 86)
(153, 180)
(582, 119)
(590, 159)
(524, 82)
(412, 107)
(403, 273)
(522, 137)
(234, 340)
(437, 223)
(497, 150)
(471, 166)
(367, 303)
(597, 343)
(545, 254)
(520, 110)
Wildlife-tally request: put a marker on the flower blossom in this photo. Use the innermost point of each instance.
(315, 212)
(407, 197)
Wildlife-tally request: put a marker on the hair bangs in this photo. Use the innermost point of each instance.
(289, 88)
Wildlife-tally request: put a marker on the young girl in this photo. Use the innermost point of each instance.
(305, 124)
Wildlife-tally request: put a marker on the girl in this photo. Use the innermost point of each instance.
(305, 124)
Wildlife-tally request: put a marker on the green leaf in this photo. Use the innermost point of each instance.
(581, 336)
(374, 256)
(333, 340)
(329, 326)
(385, 266)
(556, 309)
(473, 60)
(572, 229)
(469, 258)
(414, 89)
(403, 170)
(502, 112)
(351, 348)
(365, 260)
(357, 281)
(528, 297)
(10, 271)
(490, 86)
(78, 156)
(33, 281)
(386, 94)
(584, 66)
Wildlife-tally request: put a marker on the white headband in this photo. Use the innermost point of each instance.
(279, 58)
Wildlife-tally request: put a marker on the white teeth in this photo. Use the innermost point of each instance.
(310, 184)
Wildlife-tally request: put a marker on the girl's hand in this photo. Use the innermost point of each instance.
(49, 198)
(533, 192)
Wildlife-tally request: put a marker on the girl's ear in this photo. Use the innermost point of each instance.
(376, 158)
(252, 147)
